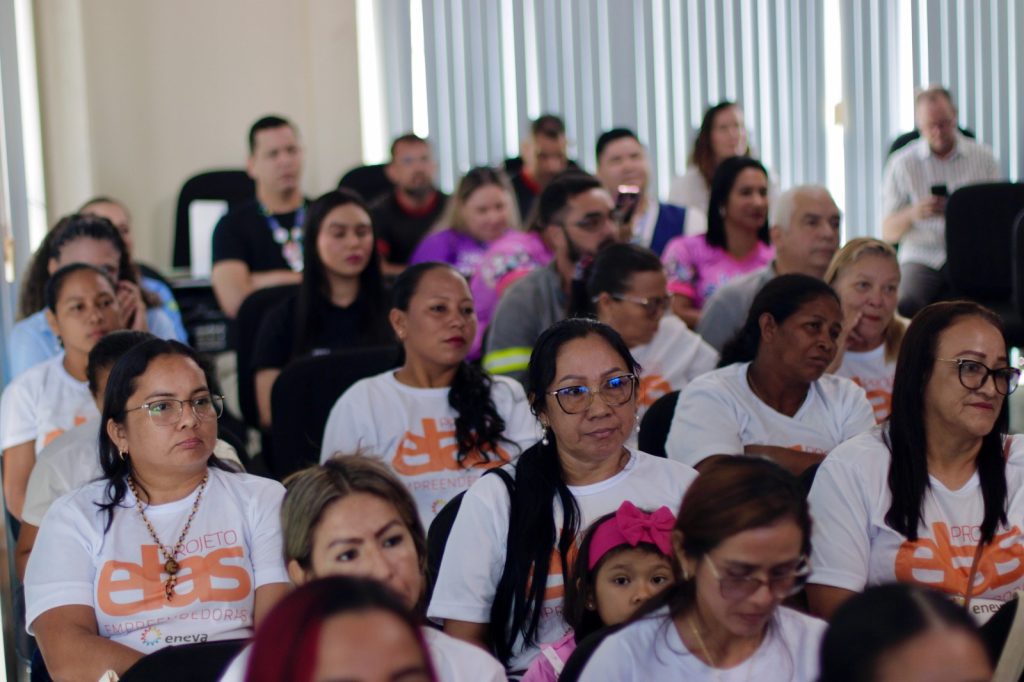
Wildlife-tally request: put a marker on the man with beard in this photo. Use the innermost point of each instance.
(401, 218)
(576, 216)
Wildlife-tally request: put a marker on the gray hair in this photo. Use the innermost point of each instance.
(783, 206)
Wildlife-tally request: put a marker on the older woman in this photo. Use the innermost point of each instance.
(520, 534)
(866, 276)
(771, 396)
(935, 495)
(170, 546)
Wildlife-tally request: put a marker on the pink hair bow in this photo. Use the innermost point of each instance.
(631, 526)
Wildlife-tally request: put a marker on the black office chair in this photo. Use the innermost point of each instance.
(980, 221)
(232, 186)
(656, 423)
(369, 181)
(906, 138)
(303, 396)
(204, 662)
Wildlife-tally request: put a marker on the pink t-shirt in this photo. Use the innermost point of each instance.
(549, 663)
(695, 269)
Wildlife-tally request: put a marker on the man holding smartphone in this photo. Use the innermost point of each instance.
(917, 181)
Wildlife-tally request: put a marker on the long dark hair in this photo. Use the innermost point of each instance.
(703, 156)
(907, 438)
(121, 384)
(780, 298)
(540, 481)
(721, 187)
(479, 426)
(314, 292)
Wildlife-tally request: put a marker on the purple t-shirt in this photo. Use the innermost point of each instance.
(450, 246)
(695, 269)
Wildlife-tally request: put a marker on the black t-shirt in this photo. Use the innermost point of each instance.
(398, 233)
(525, 194)
(244, 234)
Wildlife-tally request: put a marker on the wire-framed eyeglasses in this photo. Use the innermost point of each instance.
(168, 411)
(615, 391)
(734, 588)
(974, 374)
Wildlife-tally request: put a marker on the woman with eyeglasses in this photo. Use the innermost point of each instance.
(934, 496)
(627, 286)
(742, 537)
(170, 546)
(501, 579)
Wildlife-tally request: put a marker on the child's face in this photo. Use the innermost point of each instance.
(626, 580)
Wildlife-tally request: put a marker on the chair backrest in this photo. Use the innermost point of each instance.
(199, 662)
(369, 181)
(304, 394)
(247, 326)
(906, 138)
(655, 424)
(1017, 265)
(979, 234)
(232, 186)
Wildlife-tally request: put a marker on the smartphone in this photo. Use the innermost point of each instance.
(940, 191)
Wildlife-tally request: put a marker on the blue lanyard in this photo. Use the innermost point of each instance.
(289, 240)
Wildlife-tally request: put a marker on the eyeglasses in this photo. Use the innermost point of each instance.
(614, 392)
(974, 374)
(167, 411)
(652, 306)
(595, 222)
(781, 586)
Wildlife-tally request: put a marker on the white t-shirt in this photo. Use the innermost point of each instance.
(651, 649)
(43, 403)
(475, 555)
(853, 547)
(872, 372)
(453, 659)
(232, 548)
(71, 461)
(674, 357)
(413, 431)
(718, 414)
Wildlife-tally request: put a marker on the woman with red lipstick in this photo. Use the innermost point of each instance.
(341, 302)
(771, 396)
(935, 495)
(736, 241)
(437, 421)
(866, 275)
(742, 538)
(52, 397)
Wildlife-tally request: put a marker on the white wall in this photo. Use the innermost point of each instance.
(138, 95)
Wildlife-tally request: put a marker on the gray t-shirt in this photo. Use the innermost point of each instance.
(726, 311)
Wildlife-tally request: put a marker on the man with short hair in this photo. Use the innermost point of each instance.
(259, 243)
(545, 155)
(917, 180)
(805, 233)
(401, 218)
(621, 163)
(576, 217)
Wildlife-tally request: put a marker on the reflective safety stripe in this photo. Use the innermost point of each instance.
(507, 360)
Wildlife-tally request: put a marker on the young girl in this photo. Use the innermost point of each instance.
(623, 561)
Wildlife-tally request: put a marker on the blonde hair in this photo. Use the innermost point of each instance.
(853, 251)
(473, 180)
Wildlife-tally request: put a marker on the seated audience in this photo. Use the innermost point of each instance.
(52, 397)
(169, 544)
(258, 244)
(866, 276)
(352, 517)
(437, 421)
(151, 281)
(933, 496)
(340, 629)
(545, 155)
(743, 526)
(575, 215)
(772, 398)
(722, 135)
(736, 241)
(521, 527)
(902, 633)
(403, 217)
(481, 210)
(623, 560)
(81, 239)
(805, 235)
(624, 170)
(628, 289)
(341, 303)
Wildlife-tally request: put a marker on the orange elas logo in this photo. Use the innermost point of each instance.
(880, 398)
(652, 387)
(937, 563)
(127, 588)
(435, 450)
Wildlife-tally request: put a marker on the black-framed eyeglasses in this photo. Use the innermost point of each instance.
(734, 588)
(974, 374)
(594, 222)
(168, 411)
(652, 306)
(614, 392)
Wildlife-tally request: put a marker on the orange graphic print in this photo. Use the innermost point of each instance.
(435, 449)
(652, 387)
(879, 397)
(56, 433)
(555, 588)
(938, 563)
(143, 590)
